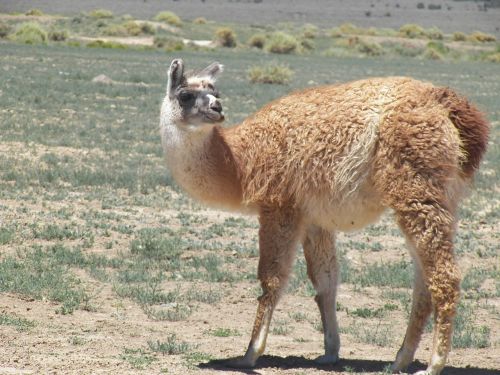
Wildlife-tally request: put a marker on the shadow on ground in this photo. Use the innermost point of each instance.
(344, 365)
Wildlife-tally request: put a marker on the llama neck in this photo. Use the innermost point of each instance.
(201, 162)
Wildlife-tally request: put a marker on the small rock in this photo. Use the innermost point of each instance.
(102, 78)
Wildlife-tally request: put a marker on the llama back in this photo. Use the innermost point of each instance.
(317, 142)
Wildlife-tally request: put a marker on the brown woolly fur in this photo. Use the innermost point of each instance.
(334, 158)
(471, 125)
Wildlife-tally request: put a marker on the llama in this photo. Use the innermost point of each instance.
(329, 159)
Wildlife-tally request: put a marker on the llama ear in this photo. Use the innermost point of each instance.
(211, 72)
(175, 76)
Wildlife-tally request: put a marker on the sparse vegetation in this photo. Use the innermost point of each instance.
(29, 33)
(101, 14)
(273, 73)
(225, 37)
(257, 40)
(169, 17)
(282, 43)
(480, 37)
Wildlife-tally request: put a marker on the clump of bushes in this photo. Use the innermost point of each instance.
(459, 36)
(115, 30)
(281, 42)
(4, 29)
(257, 40)
(101, 13)
(225, 37)
(480, 37)
(106, 44)
(200, 21)
(309, 31)
(412, 30)
(365, 47)
(494, 57)
(168, 43)
(34, 12)
(58, 35)
(168, 17)
(271, 74)
(434, 33)
(29, 33)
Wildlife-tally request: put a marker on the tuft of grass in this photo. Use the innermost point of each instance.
(152, 244)
(224, 332)
(29, 33)
(171, 347)
(380, 335)
(138, 358)
(281, 327)
(100, 14)
(6, 235)
(58, 35)
(200, 21)
(257, 40)
(282, 43)
(5, 29)
(480, 37)
(115, 30)
(397, 275)
(106, 44)
(309, 31)
(225, 37)
(459, 36)
(34, 12)
(271, 74)
(466, 333)
(168, 17)
(20, 324)
(412, 30)
(168, 43)
(38, 275)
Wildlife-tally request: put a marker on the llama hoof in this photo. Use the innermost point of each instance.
(241, 362)
(327, 359)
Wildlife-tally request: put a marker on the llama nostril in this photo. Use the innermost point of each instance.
(216, 106)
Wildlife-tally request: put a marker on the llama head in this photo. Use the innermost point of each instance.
(193, 98)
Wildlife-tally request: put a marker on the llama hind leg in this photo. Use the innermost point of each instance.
(420, 311)
(431, 226)
(278, 236)
(322, 268)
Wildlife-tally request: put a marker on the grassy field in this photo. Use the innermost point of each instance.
(105, 266)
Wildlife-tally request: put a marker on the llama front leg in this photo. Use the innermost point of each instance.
(278, 236)
(322, 268)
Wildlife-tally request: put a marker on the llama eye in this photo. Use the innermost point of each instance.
(186, 96)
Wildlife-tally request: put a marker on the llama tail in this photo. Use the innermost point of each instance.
(472, 126)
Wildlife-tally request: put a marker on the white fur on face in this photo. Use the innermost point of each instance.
(212, 99)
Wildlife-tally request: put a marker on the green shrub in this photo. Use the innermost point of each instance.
(168, 43)
(272, 74)
(29, 33)
(459, 36)
(225, 37)
(349, 28)
(34, 12)
(147, 28)
(335, 32)
(257, 40)
(58, 35)
(132, 28)
(168, 17)
(307, 44)
(101, 13)
(407, 49)
(281, 42)
(433, 54)
(200, 21)
(434, 33)
(115, 30)
(103, 44)
(309, 31)
(480, 37)
(412, 30)
(4, 29)
(494, 57)
(365, 47)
